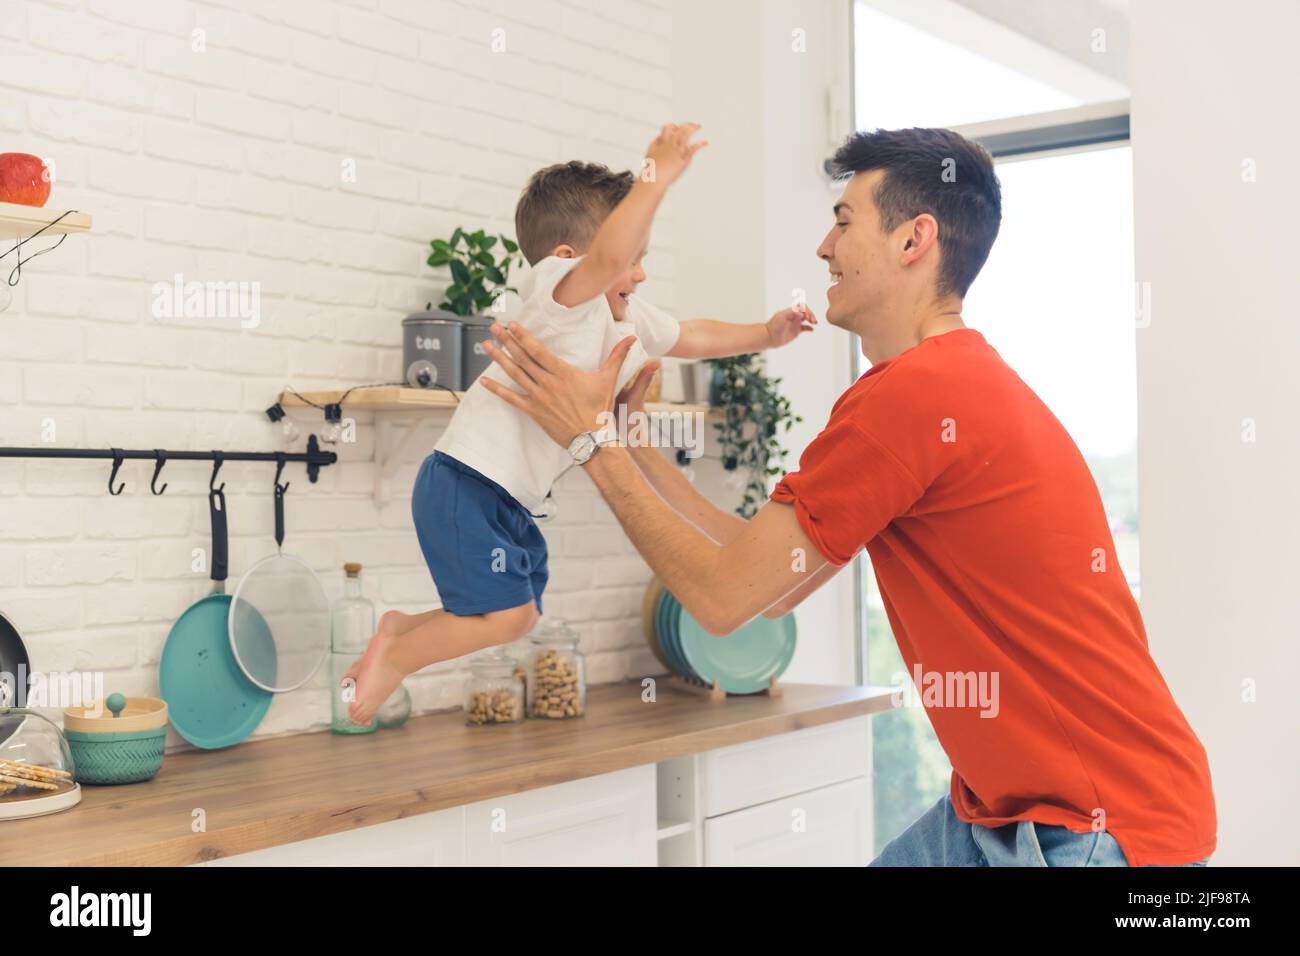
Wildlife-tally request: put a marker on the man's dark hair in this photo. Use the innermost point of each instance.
(933, 171)
(566, 203)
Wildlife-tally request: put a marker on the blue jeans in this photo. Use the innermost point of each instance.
(939, 838)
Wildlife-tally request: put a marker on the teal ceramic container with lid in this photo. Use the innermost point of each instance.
(121, 742)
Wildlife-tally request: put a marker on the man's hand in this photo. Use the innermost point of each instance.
(564, 400)
(786, 326)
(671, 152)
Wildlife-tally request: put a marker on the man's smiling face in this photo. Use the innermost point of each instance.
(856, 251)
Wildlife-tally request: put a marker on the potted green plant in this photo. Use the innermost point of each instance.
(443, 346)
(754, 416)
(477, 276)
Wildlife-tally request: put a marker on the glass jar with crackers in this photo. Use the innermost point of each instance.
(557, 681)
(494, 694)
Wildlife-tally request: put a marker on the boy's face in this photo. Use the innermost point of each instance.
(616, 295)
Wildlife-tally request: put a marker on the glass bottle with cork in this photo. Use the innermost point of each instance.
(352, 624)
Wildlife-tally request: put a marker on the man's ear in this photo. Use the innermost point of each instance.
(565, 251)
(922, 234)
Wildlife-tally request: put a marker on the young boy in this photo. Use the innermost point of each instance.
(584, 230)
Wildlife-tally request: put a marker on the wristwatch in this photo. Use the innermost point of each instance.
(588, 443)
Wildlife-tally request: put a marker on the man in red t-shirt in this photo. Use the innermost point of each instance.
(984, 526)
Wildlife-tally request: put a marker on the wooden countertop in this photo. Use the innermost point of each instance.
(270, 792)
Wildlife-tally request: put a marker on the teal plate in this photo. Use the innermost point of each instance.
(661, 633)
(673, 630)
(743, 662)
(209, 700)
(666, 640)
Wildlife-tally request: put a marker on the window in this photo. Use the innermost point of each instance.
(1057, 303)
(939, 63)
(1062, 312)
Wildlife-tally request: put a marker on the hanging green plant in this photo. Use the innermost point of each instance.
(754, 416)
(477, 276)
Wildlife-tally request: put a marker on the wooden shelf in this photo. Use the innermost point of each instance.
(397, 399)
(19, 222)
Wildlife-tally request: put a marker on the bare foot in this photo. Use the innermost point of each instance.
(393, 622)
(390, 623)
(376, 679)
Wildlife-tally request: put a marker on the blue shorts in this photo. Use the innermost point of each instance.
(483, 548)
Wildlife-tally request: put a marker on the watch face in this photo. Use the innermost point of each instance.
(582, 447)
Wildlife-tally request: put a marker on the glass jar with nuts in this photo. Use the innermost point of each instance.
(557, 682)
(494, 694)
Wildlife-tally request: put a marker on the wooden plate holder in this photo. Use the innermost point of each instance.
(715, 693)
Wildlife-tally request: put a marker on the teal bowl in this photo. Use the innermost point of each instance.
(129, 757)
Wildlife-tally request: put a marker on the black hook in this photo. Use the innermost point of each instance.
(279, 467)
(118, 458)
(157, 470)
(218, 459)
(280, 489)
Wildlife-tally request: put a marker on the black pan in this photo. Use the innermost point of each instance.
(14, 660)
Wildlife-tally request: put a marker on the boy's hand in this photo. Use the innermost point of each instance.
(786, 326)
(671, 152)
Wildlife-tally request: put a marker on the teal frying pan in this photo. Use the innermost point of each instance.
(209, 700)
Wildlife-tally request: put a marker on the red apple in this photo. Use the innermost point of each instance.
(24, 179)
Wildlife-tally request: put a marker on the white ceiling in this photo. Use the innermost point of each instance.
(1067, 26)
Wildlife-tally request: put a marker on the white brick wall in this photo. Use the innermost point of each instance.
(224, 165)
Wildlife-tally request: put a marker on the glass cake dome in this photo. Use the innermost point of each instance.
(36, 769)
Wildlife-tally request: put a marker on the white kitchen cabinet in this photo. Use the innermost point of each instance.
(823, 827)
(747, 774)
(798, 799)
(600, 821)
(427, 839)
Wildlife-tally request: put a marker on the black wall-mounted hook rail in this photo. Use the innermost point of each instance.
(313, 458)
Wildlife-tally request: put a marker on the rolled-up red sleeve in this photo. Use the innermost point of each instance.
(847, 489)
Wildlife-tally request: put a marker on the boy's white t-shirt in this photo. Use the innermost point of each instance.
(500, 441)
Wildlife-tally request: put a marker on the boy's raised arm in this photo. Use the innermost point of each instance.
(622, 236)
(710, 338)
